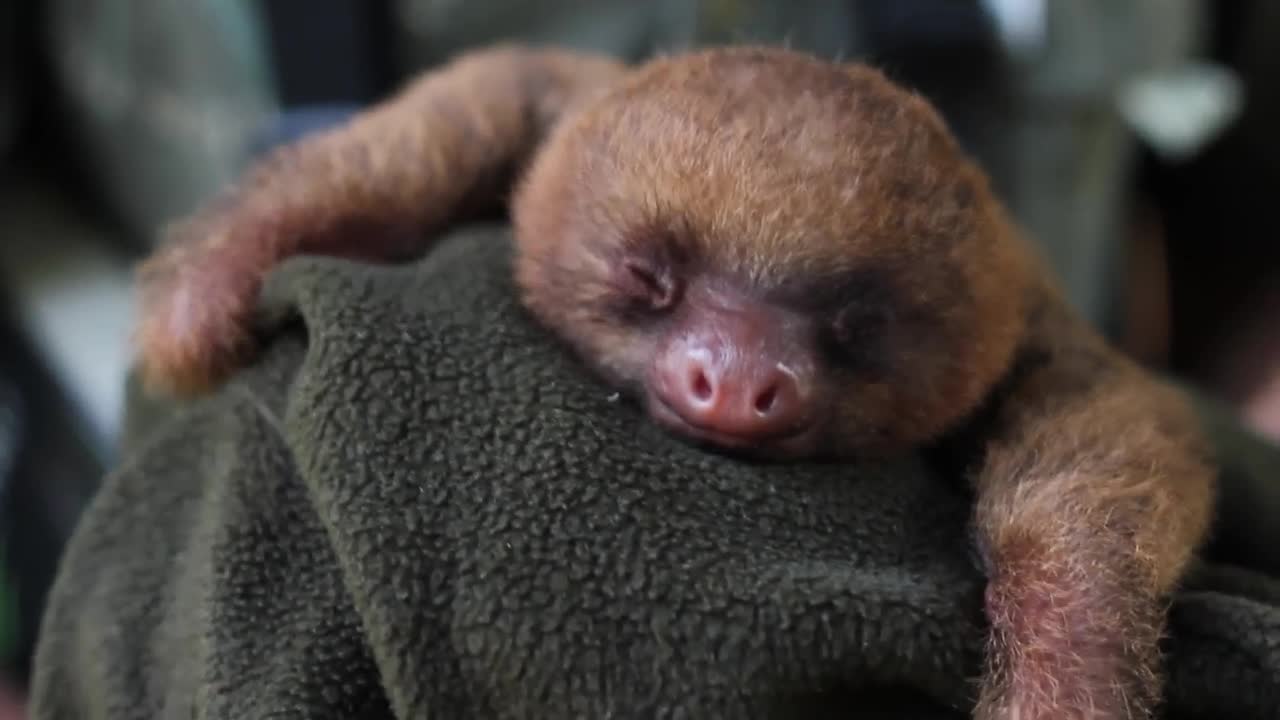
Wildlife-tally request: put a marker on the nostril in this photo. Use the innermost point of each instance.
(701, 386)
(766, 400)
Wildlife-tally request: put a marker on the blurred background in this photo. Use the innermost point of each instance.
(1136, 141)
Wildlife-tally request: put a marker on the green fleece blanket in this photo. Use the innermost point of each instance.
(416, 505)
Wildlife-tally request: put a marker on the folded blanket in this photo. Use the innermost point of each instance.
(417, 505)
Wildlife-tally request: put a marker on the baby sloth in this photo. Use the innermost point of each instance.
(777, 255)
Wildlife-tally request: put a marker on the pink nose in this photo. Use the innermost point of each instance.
(732, 394)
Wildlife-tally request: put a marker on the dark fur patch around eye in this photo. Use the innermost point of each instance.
(655, 284)
(858, 325)
(857, 339)
(649, 268)
(641, 288)
(665, 242)
(858, 309)
(867, 286)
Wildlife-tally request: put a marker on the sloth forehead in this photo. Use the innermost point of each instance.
(773, 93)
(789, 163)
(771, 212)
(770, 163)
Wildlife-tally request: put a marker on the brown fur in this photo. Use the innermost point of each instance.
(816, 188)
(1095, 491)
(371, 189)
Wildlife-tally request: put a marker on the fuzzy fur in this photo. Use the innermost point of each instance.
(793, 180)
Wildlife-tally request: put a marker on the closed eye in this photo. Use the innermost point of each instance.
(651, 284)
(859, 324)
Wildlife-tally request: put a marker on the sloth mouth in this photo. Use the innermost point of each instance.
(798, 440)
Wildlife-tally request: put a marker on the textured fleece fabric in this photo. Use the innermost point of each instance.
(417, 505)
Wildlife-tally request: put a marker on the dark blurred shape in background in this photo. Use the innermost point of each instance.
(1135, 139)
